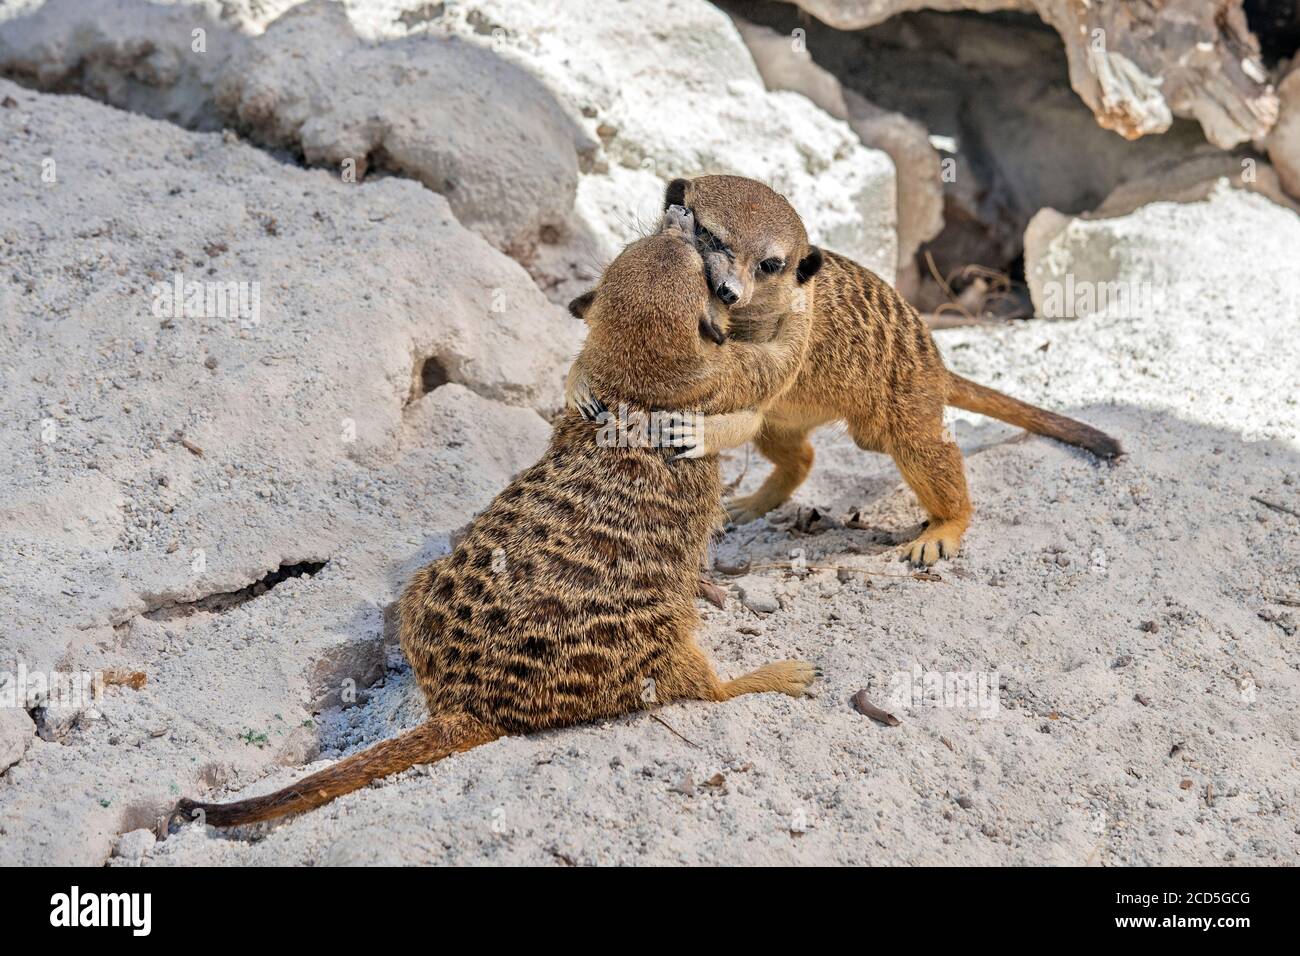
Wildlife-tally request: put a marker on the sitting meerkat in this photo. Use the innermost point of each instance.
(572, 596)
(870, 363)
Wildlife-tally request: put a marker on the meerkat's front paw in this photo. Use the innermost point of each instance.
(685, 430)
(745, 509)
(939, 540)
(578, 394)
(680, 219)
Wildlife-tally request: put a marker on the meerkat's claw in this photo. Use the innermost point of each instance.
(589, 406)
(936, 541)
(680, 219)
(711, 331)
(578, 394)
(685, 431)
(742, 511)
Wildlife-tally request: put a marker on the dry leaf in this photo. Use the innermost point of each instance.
(132, 679)
(713, 594)
(685, 786)
(866, 707)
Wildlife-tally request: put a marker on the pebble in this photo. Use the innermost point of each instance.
(135, 845)
(759, 598)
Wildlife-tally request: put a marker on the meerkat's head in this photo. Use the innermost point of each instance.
(651, 318)
(755, 247)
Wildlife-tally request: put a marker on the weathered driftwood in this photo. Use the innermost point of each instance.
(1136, 63)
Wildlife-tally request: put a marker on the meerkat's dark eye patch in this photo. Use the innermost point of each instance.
(771, 266)
(708, 242)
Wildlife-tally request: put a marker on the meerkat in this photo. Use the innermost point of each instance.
(571, 598)
(871, 361)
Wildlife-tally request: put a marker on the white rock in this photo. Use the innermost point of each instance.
(759, 595)
(452, 115)
(158, 59)
(1164, 257)
(418, 106)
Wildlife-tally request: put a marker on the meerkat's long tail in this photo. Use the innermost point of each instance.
(963, 393)
(436, 738)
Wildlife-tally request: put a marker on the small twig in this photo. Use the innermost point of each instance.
(187, 444)
(937, 320)
(934, 272)
(1275, 506)
(674, 730)
(735, 483)
(954, 302)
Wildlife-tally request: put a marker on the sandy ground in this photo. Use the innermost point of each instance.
(1146, 712)
(1127, 632)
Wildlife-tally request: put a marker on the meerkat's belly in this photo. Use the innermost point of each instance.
(792, 413)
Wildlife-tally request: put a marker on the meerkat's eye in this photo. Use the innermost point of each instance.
(772, 266)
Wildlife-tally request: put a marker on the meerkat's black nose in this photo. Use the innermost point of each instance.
(726, 293)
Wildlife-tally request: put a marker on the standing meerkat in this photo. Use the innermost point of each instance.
(572, 596)
(870, 363)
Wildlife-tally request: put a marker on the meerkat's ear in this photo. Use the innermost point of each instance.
(675, 194)
(579, 306)
(809, 265)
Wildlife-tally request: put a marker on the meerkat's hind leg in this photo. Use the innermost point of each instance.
(690, 676)
(791, 454)
(933, 469)
(783, 677)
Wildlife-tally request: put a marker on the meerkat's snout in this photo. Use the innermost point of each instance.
(724, 279)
